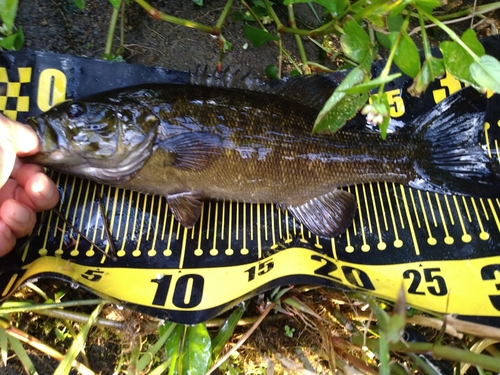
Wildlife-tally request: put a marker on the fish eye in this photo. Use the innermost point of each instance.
(75, 110)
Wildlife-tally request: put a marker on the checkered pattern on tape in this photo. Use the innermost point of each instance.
(11, 100)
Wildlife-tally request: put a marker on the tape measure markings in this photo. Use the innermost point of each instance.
(452, 220)
(368, 211)
(223, 225)
(487, 217)
(396, 199)
(381, 245)
(153, 251)
(426, 282)
(364, 246)
(382, 207)
(483, 235)
(410, 222)
(430, 239)
(273, 227)
(494, 213)
(93, 218)
(415, 211)
(199, 251)
(398, 243)
(259, 234)
(486, 127)
(447, 239)
(466, 237)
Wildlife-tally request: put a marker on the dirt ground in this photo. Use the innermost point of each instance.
(58, 26)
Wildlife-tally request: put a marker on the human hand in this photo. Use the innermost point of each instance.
(24, 188)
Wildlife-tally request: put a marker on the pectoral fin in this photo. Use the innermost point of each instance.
(186, 207)
(191, 151)
(328, 215)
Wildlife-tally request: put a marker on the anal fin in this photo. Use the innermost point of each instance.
(328, 215)
(186, 207)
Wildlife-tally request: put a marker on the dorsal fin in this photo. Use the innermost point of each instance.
(311, 90)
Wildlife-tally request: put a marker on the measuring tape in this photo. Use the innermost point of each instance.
(444, 249)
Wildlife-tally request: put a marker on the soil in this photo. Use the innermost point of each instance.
(59, 26)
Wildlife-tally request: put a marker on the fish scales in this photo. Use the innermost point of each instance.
(191, 143)
(268, 153)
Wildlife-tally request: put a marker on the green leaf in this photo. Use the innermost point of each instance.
(407, 57)
(116, 3)
(197, 345)
(337, 7)
(13, 42)
(165, 330)
(174, 340)
(8, 11)
(486, 72)
(272, 71)
(457, 60)
(394, 22)
(365, 86)
(470, 39)
(226, 330)
(19, 41)
(198, 2)
(80, 4)
(257, 36)
(428, 5)
(431, 69)
(355, 43)
(341, 106)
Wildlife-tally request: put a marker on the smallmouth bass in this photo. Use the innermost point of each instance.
(195, 142)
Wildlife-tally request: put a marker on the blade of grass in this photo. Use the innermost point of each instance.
(146, 358)
(242, 340)
(78, 343)
(17, 334)
(23, 356)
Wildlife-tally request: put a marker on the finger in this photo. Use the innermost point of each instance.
(23, 172)
(39, 193)
(19, 218)
(23, 139)
(7, 239)
(42, 192)
(7, 160)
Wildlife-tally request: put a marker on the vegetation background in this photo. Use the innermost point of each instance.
(314, 330)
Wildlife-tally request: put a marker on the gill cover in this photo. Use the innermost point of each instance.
(103, 141)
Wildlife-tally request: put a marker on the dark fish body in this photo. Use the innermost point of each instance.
(196, 142)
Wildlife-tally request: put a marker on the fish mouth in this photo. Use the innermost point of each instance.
(53, 144)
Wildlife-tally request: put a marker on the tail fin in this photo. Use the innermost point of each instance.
(457, 164)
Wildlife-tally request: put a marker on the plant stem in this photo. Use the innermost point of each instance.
(394, 47)
(48, 306)
(111, 31)
(450, 33)
(224, 14)
(437, 351)
(472, 11)
(300, 46)
(156, 14)
(425, 40)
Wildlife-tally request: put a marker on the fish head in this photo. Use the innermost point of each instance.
(104, 141)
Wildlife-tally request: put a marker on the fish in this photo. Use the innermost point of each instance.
(196, 142)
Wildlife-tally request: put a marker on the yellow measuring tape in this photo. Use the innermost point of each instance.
(445, 250)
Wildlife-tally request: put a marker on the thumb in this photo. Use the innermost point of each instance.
(23, 139)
